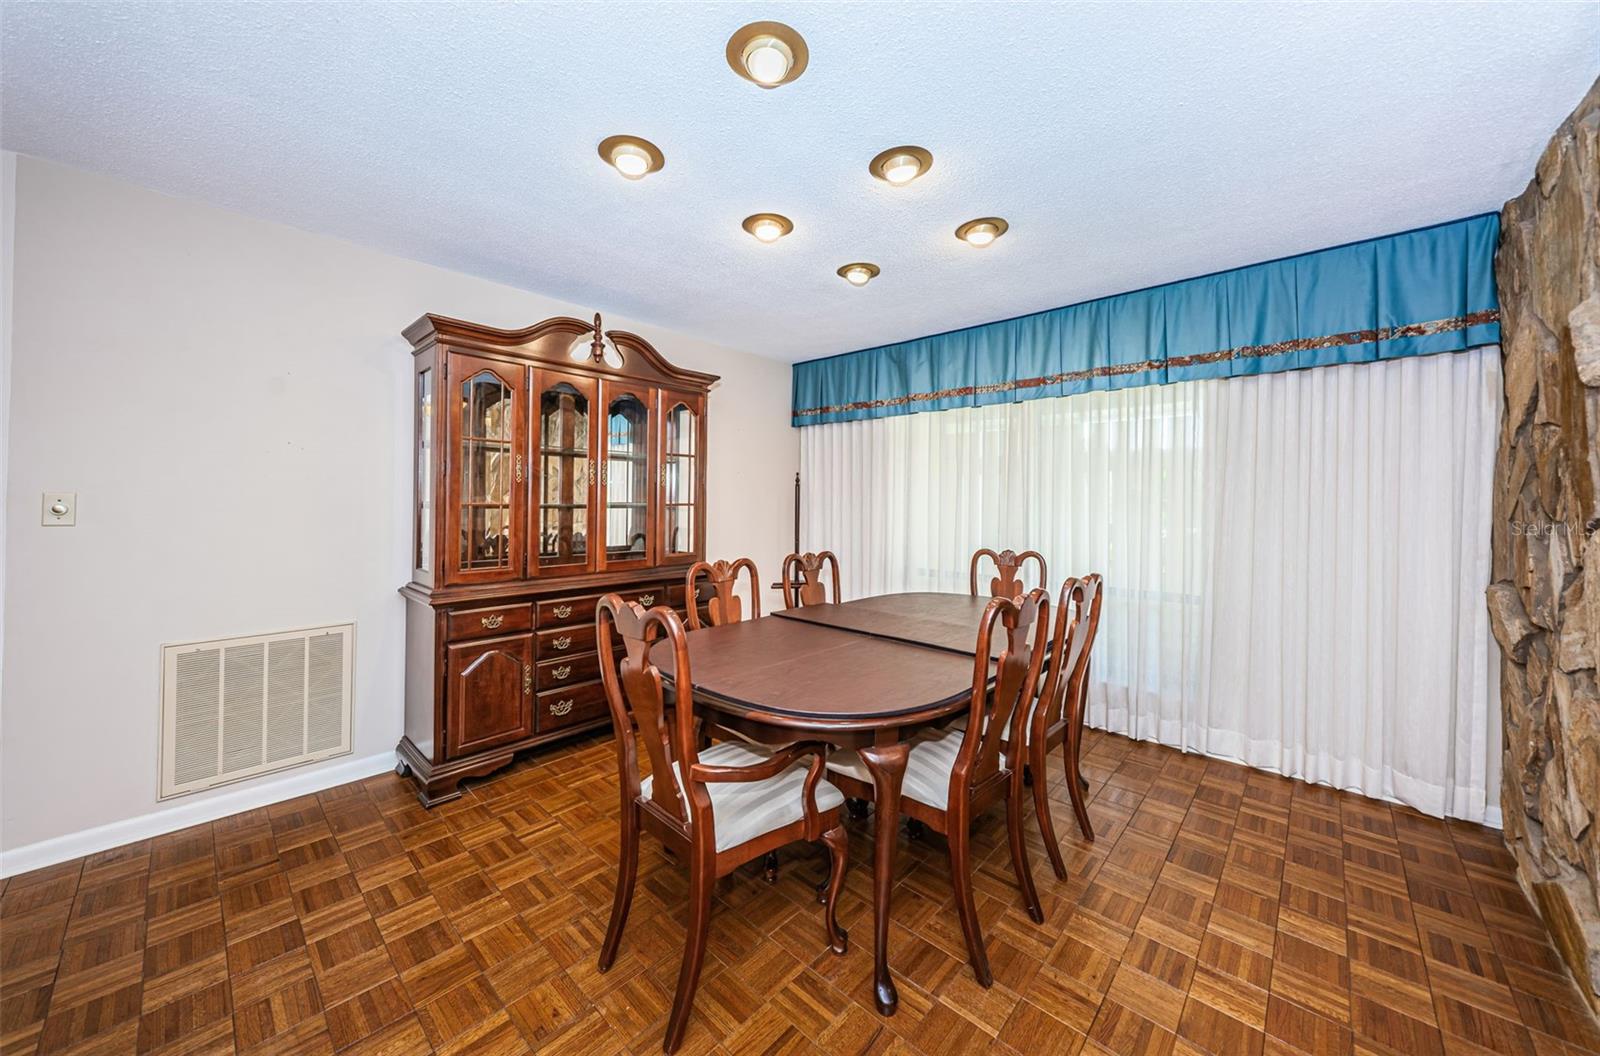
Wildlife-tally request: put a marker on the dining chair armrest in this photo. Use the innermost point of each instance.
(780, 761)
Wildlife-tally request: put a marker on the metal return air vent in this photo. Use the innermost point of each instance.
(240, 707)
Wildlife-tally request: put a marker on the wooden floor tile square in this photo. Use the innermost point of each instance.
(367, 1013)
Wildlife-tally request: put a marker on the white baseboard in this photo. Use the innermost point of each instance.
(181, 815)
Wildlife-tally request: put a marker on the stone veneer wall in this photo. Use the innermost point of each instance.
(1544, 602)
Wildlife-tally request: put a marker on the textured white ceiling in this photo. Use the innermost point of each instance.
(1127, 144)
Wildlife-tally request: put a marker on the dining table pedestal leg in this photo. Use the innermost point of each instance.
(887, 764)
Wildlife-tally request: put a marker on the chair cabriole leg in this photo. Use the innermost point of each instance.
(627, 873)
(701, 881)
(839, 855)
(1041, 807)
(966, 909)
(1076, 785)
(1019, 849)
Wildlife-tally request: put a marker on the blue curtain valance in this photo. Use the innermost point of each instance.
(1412, 294)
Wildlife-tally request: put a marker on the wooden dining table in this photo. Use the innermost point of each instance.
(867, 674)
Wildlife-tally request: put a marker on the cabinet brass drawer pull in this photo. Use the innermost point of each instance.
(562, 611)
(561, 707)
(560, 673)
(527, 679)
(647, 600)
(494, 621)
(562, 642)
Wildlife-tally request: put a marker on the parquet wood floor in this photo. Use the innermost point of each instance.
(1223, 910)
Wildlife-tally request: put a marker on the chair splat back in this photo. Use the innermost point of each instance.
(724, 606)
(1016, 675)
(811, 590)
(1007, 583)
(1077, 625)
(635, 696)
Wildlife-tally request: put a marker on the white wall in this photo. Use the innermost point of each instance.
(230, 400)
(8, 212)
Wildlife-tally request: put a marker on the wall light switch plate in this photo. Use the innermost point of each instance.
(60, 507)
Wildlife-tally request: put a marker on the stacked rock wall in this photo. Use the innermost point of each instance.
(1544, 602)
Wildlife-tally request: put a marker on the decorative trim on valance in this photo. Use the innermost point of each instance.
(1418, 293)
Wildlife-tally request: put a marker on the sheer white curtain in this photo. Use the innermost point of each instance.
(1294, 563)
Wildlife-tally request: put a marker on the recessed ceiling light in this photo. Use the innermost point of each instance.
(767, 54)
(982, 231)
(901, 165)
(635, 158)
(859, 273)
(768, 227)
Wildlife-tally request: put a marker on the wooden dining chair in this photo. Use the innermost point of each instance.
(953, 775)
(1007, 583)
(802, 580)
(724, 806)
(724, 606)
(1057, 716)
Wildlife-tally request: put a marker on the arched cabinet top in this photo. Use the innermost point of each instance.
(549, 342)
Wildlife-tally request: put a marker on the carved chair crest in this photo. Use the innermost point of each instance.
(724, 606)
(1008, 566)
(809, 590)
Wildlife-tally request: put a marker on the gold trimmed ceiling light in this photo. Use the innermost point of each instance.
(982, 231)
(635, 158)
(768, 227)
(859, 273)
(900, 165)
(767, 54)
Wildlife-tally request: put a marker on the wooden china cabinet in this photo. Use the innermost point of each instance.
(554, 464)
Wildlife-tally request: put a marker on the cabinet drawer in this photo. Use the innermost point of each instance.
(565, 612)
(570, 671)
(496, 619)
(654, 594)
(570, 705)
(566, 641)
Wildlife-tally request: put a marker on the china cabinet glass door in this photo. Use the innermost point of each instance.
(625, 488)
(487, 436)
(563, 511)
(680, 477)
(425, 511)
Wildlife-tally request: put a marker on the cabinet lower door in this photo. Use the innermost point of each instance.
(490, 693)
